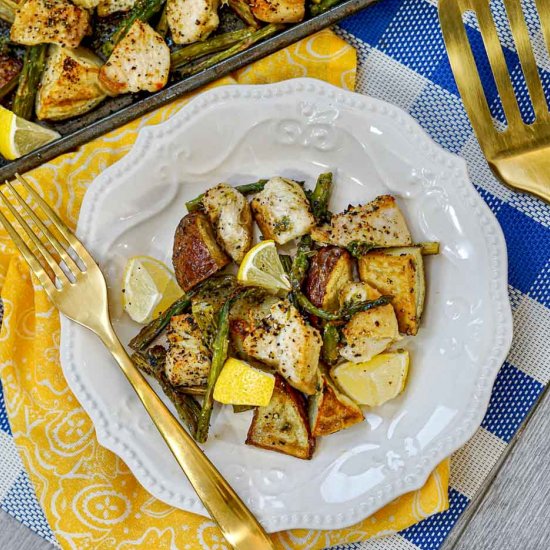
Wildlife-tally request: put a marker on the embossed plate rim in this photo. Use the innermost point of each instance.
(493, 236)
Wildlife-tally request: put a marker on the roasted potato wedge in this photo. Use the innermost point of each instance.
(377, 223)
(196, 253)
(398, 272)
(282, 425)
(330, 270)
(331, 411)
(279, 11)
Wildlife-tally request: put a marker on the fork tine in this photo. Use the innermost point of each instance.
(30, 258)
(77, 246)
(59, 247)
(498, 63)
(465, 70)
(50, 260)
(526, 56)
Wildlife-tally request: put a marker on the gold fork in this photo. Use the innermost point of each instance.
(519, 156)
(77, 288)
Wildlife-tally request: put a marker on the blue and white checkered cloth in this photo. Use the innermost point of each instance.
(402, 60)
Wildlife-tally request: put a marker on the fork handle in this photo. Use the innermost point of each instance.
(239, 527)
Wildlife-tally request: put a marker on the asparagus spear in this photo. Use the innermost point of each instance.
(162, 25)
(429, 248)
(242, 9)
(246, 189)
(300, 263)
(186, 406)
(9, 86)
(244, 44)
(331, 338)
(212, 45)
(142, 10)
(320, 196)
(33, 67)
(219, 355)
(7, 10)
(286, 262)
(323, 6)
(359, 248)
(242, 408)
(149, 332)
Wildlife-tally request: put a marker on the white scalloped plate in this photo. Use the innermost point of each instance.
(299, 128)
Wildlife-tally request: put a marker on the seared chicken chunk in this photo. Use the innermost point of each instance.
(192, 20)
(70, 84)
(188, 359)
(50, 21)
(229, 213)
(370, 332)
(282, 210)
(379, 223)
(285, 341)
(140, 61)
(9, 69)
(107, 7)
(278, 11)
(87, 4)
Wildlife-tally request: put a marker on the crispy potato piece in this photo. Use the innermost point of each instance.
(50, 21)
(188, 359)
(370, 332)
(70, 84)
(278, 11)
(331, 411)
(400, 273)
(282, 210)
(282, 425)
(196, 253)
(330, 270)
(379, 222)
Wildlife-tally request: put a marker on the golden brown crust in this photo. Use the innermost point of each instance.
(196, 255)
(278, 11)
(331, 411)
(394, 276)
(330, 270)
(283, 425)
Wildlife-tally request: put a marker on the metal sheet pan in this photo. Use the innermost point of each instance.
(118, 111)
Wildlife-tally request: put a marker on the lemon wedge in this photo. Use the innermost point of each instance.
(148, 288)
(19, 136)
(262, 267)
(376, 381)
(241, 384)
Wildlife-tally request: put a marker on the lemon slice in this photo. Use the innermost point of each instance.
(148, 288)
(376, 381)
(262, 267)
(241, 384)
(19, 136)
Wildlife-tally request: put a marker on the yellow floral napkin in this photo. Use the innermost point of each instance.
(89, 496)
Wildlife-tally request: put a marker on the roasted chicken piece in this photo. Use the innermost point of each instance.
(331, 411)
(398, 272)
(196, 255)
(70, 84)
(87, 4)
(330, 270)
(107, 7)
(282, 425)
(370, 332)
(192, 20)
(377, 223)
(50, 21)
(282, 210)
(188, 359)
(285, 341)
(229, 213)
(140, 61)
(9, 69)
(278, 11)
